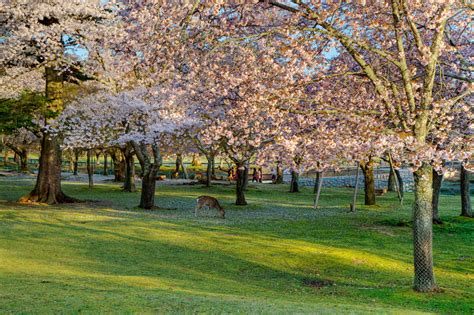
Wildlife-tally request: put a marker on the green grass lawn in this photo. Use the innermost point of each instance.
(276, 255)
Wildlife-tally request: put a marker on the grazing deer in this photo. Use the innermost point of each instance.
(210, 202)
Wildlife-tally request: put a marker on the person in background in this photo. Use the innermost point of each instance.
(255, 175)
(260, 175)
(274, 175)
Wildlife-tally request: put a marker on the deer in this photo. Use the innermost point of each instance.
(211, 203)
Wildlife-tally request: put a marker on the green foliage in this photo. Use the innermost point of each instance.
(277, 255)
(20, 112)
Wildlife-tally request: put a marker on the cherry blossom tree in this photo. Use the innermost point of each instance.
(403, 50)
(44, 44)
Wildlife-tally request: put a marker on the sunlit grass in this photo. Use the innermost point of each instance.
(109, 256)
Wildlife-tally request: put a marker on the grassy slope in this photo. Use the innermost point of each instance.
(109, 256)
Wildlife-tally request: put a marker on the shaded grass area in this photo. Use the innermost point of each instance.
(276, 255)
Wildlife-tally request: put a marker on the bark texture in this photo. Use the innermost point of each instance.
(294, 184)
(279, 170)
(369, 182)
(149, 171)
(437, 181)
(240, 184)
(466, 208)
(129, 183)
(90, 168)
(48, 182)
(423, 230)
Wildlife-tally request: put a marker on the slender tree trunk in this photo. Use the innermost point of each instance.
(240, 201)
(178, 163)
(129, 184)
(391, 185)
(369, 183)
(294, 184)
(437, 181)
(279, 170)
(318, 189)
(213, 163)
(76, 162)
(400, 182)
(246, 177)
(316, 182)
(106, 170)
(90, 168)
(185, 172)
(356, 187)
(423, 230)
(208, 171)
(466, 209)
(48, 181)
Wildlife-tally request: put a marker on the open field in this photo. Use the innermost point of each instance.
(276, 255)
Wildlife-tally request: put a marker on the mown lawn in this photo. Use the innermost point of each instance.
(276, 255)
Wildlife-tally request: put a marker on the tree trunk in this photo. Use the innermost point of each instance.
(24, 161)
(279, 170)
(90, 168)
(240, 183)
(48, 181)
(294, 184)
(423, 230)
(208, 171)
(213, 163)
(316, 182)
(129, 184)
(437, 181)
(400, 182)
(106, 171)
(356, 187)
(369, 183)
(246, 177)
(179, 162)
(391, 185)
(319, 180)
(147, 197)
(466, 209)
(76, 162)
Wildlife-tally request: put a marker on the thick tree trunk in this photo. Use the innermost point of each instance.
(279, 170)
(466, 209)
(48, 181)
(240, 183)
(294, 184)
(147, 197)
(90, 168)
(24, 161)
(118, 166)
(437, 181)
(423, 230)
(369, 183)
(129, 184)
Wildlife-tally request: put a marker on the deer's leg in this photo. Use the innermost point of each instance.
(196, 211)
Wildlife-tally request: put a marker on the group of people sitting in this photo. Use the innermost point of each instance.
(257, 175)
